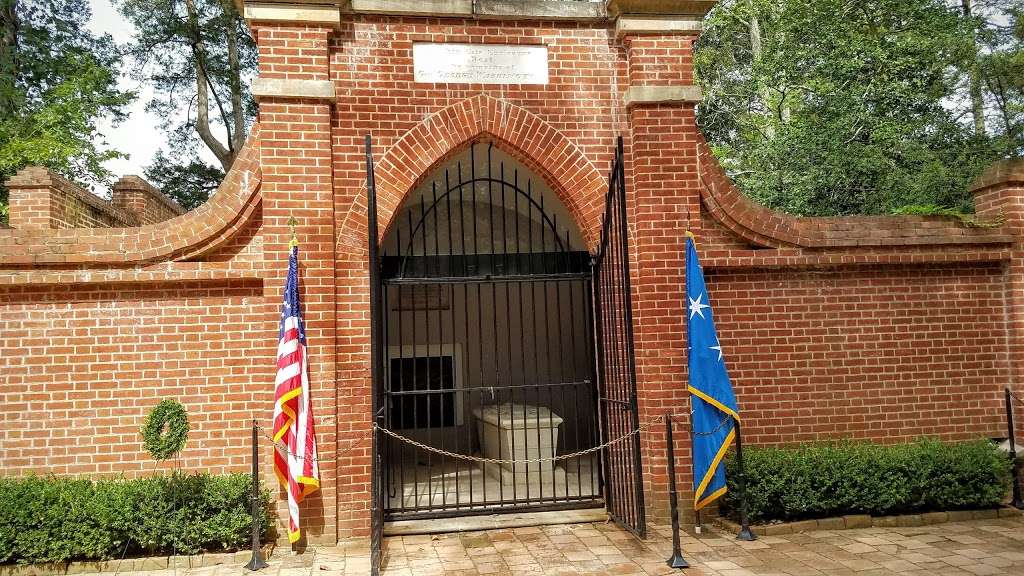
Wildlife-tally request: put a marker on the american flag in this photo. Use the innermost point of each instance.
(295, 460)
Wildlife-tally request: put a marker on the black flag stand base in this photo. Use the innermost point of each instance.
(746, 534)
(257, 562)
(1016, 502)
(677, 560)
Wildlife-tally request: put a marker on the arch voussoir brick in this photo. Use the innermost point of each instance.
(523, 134)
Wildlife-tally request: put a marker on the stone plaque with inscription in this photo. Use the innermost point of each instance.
(480, 63)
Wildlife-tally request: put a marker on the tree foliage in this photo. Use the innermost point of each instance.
(197, 55)
(999, 26)
(57, 82)
(189, 182)
(830, 107)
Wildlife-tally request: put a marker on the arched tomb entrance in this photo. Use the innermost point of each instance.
(487, 344)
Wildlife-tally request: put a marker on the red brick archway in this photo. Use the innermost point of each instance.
(524, 135)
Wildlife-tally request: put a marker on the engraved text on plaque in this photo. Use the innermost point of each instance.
(480, 63)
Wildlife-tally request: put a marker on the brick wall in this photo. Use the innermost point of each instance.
(880, 328)
(83, 364)
(879, 352)
(41, 199)
(99, 325)
(999, 193)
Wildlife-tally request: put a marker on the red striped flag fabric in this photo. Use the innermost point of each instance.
(295, 459)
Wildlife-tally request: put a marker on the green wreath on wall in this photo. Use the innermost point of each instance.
(165, 430)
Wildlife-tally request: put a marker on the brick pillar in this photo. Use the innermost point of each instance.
(999, 193)
(296, 101)
(662, 156)
(136, 196)
(32, 199)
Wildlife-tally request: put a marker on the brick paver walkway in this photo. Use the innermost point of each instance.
(980, 548)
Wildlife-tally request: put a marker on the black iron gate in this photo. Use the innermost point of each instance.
(485, 347)
(486, 316)
(616, 364)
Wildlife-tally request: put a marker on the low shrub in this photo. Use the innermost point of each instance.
(836, 478)
(50, 519)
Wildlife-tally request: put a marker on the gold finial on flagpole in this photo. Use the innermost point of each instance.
(691, 236)
(291, 224)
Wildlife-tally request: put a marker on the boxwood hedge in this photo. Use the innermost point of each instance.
(50, 519)
(831, 479)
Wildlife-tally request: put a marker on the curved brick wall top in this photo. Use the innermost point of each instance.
(769, 228)
(526, 136)
(187, 236)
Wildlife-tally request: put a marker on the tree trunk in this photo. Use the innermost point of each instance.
(782, 111)
(224, 155)
(235, 81)
(974, 76)
(8, 55)
(755, 35)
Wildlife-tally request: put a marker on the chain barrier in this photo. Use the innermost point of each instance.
(485, 460)
(501, 461)
(725, 420)
(1015, 396)
(284, 447)
(354, 441)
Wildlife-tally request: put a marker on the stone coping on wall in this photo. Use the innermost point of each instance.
(133, 565)
(713, 258)
(327, 12)
(558, 9)
(162, 272)
(851, 521)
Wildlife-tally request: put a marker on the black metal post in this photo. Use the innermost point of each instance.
(1016, 503)
(376, 369)
(677, 560)
(256, 562)
(745, 532)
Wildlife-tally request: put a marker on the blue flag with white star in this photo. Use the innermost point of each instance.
(712, 401)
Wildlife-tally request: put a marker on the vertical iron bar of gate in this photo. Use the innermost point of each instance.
(377, 368)
(631, 356)
(620, 376)
(601, 384)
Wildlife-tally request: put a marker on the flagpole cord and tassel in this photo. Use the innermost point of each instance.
(677, 560)
(294, 241)
(745, 534)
